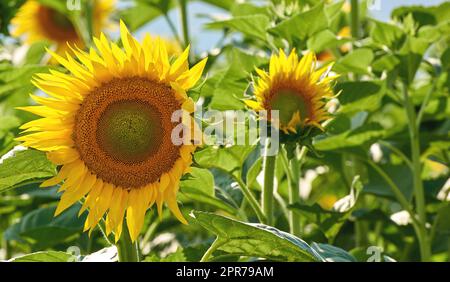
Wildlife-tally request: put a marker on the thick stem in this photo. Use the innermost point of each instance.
(267, 196)
(355, 19)
(128, 251)
(425, 249)
(184, 21)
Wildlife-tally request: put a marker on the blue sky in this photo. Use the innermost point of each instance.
(204, 40)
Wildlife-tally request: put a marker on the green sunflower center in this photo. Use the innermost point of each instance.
(288, 103)
(128, 131)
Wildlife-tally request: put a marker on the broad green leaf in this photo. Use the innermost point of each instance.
(25, 167)
(244, 9)
(363, 135)
(387, 34)
(360, 95)
(302, 25)
(255, 240)
(324, 40)
(199, 187)
(17, 78)
(177, 256)
(224, 4)
(46, 256)
(229, 159)
(40, 229)
(140, 14)
(357, 62)
(411, 55)
(386, 62)
(227, 87)
(253, 26)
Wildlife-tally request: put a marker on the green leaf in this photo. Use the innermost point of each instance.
(411, 55)
(36, 52)
(357, 62)
(359, 96)
(25, 167)
(229, 159)
(302, 25)
(47, 256)
(177, 256)
(324, 40)
(40, 229)
(363, 135)
(224, 4)
(387, 34)
(140, 14)
(255, 240)
(17, 78)
(386, 62)
(199, 187)
(253, 26)
(227, 86)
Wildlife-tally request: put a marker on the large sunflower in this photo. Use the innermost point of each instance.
(38, 22)
(296, 89)
(108, 124)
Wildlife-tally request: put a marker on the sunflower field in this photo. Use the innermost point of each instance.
(224, 131)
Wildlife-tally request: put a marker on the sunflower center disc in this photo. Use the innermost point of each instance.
(128, 130)
(288, 103)
(123, 131)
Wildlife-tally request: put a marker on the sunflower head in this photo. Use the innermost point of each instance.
(108, 124)
(38, 22)
(296, 89)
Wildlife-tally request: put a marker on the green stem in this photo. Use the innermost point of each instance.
(267, 195)
(355, 19)
(184, 21)
(251, 199)
(294, 195)
(396, 190)
(425, 102)
(399, 153)
(425, 249)
(128, 251)
(216, 244)
(173, 29)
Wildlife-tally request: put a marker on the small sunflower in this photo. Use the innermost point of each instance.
(39, 22)
(108, 125)
(296, 89)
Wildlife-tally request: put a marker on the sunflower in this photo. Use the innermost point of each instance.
(42, 23)
(108, 125)
(296, 89)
